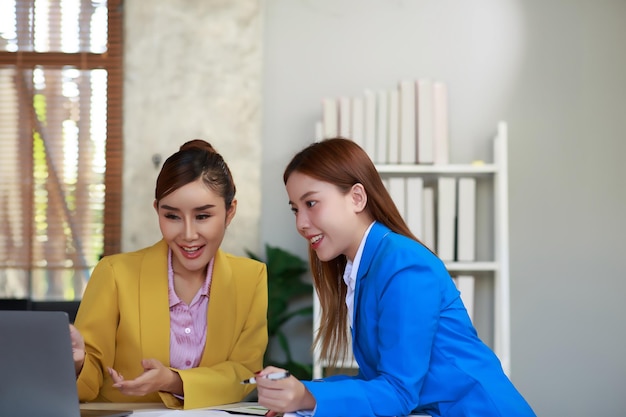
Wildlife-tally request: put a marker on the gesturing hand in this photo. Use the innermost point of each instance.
(155, 377)
(78, 349)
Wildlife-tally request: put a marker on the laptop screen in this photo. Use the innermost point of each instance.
(36, 364)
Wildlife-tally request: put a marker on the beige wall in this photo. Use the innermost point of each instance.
(192, 70)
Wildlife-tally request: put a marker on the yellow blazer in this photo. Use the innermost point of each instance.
(124, 317)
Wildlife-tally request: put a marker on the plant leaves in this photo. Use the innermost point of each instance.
(285, 285)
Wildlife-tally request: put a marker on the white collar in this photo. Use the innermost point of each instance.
(352, 267)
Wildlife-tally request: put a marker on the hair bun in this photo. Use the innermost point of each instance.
(198, 144)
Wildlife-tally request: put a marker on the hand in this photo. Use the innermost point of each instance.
(78, 349)
(155, 377)
(283, 395)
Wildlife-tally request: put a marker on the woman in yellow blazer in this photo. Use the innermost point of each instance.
(182, 300)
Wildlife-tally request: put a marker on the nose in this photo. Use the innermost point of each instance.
(190, 232)
(302, 222)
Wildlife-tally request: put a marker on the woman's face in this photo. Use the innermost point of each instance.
(193, 221)
(325, 217)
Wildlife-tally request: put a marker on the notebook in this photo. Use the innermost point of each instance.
(36, 367)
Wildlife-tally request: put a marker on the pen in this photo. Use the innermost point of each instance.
(272, 376)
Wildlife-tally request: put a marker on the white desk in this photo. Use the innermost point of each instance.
(158, 409)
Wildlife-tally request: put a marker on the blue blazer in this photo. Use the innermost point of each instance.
(415, 345)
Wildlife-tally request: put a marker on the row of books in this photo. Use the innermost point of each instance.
(441, 214)
(465, 285)
(407, 124)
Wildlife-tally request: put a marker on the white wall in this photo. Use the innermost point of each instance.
(192, 69)
(556, 71)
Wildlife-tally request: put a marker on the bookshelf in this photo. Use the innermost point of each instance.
(495, 269)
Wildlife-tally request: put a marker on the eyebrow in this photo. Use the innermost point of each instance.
(304, 196)
(201, 208)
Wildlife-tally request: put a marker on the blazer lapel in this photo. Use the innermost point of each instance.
(375, 236)
(154, 313)
(222, 310)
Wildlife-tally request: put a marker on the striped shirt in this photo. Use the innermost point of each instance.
(188, 322)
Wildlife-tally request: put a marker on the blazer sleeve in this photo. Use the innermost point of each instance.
(97, 321)
(403, 303)
(239, 351)
(109, 320)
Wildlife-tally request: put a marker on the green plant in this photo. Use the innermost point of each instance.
(284, 285)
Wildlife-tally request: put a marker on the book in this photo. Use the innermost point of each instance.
(408, 146)
(414, 205)
(428, 218)
(441, 152)
(425, 121)
(393, 126)
(382, 119)
(466, 220)
(397, 191)
(319, 131)
(358, 121)
(446, 217)
(345, 116)
(370, 123)
(465, 284)
(330, 117)
(241, 408)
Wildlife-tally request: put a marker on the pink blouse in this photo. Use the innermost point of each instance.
(188, 322)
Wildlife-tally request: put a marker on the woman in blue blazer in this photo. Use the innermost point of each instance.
(412, 338)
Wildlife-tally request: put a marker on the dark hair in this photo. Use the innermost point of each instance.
(343, 163)
(196, 159)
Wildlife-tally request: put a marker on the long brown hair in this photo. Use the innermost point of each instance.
(196, 159)
(343, 163)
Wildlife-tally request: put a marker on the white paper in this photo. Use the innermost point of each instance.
(181, 413)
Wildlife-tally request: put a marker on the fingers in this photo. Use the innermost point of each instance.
(269, 370)
(150, 380)
(78, 349)
(77, 338)
(115, 376)
(131, 387)
(284, 395)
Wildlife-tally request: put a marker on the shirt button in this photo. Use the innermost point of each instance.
(187, 330)
(188, 363)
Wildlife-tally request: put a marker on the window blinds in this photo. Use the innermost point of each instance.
(60, 143)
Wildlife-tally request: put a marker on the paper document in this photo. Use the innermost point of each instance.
(225, 410)
(180, 413)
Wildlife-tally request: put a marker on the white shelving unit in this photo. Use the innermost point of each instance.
(498, 267)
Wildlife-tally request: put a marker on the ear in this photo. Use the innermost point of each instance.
(156, 206)
(359, 197)
(231, 212)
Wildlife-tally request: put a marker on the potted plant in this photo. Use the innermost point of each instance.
(285, 284)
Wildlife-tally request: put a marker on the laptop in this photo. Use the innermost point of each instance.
(37, 369)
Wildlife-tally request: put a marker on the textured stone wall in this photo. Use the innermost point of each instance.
(192, 70)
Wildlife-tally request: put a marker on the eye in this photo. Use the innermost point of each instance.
(203, 216)
(171, 216)
(293, 209)
(310, 204)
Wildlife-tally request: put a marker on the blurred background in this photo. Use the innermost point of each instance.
(249, 76)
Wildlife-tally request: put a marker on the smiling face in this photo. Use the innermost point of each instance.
(332, 222)
(193, 221)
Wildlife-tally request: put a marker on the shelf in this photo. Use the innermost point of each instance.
(496, 173)
(457, 169)
(472, 266)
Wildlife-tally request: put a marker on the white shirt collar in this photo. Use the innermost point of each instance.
(351, 272)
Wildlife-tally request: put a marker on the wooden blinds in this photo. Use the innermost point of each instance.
(60, 143)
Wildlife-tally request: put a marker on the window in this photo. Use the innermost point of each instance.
(60, 143)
